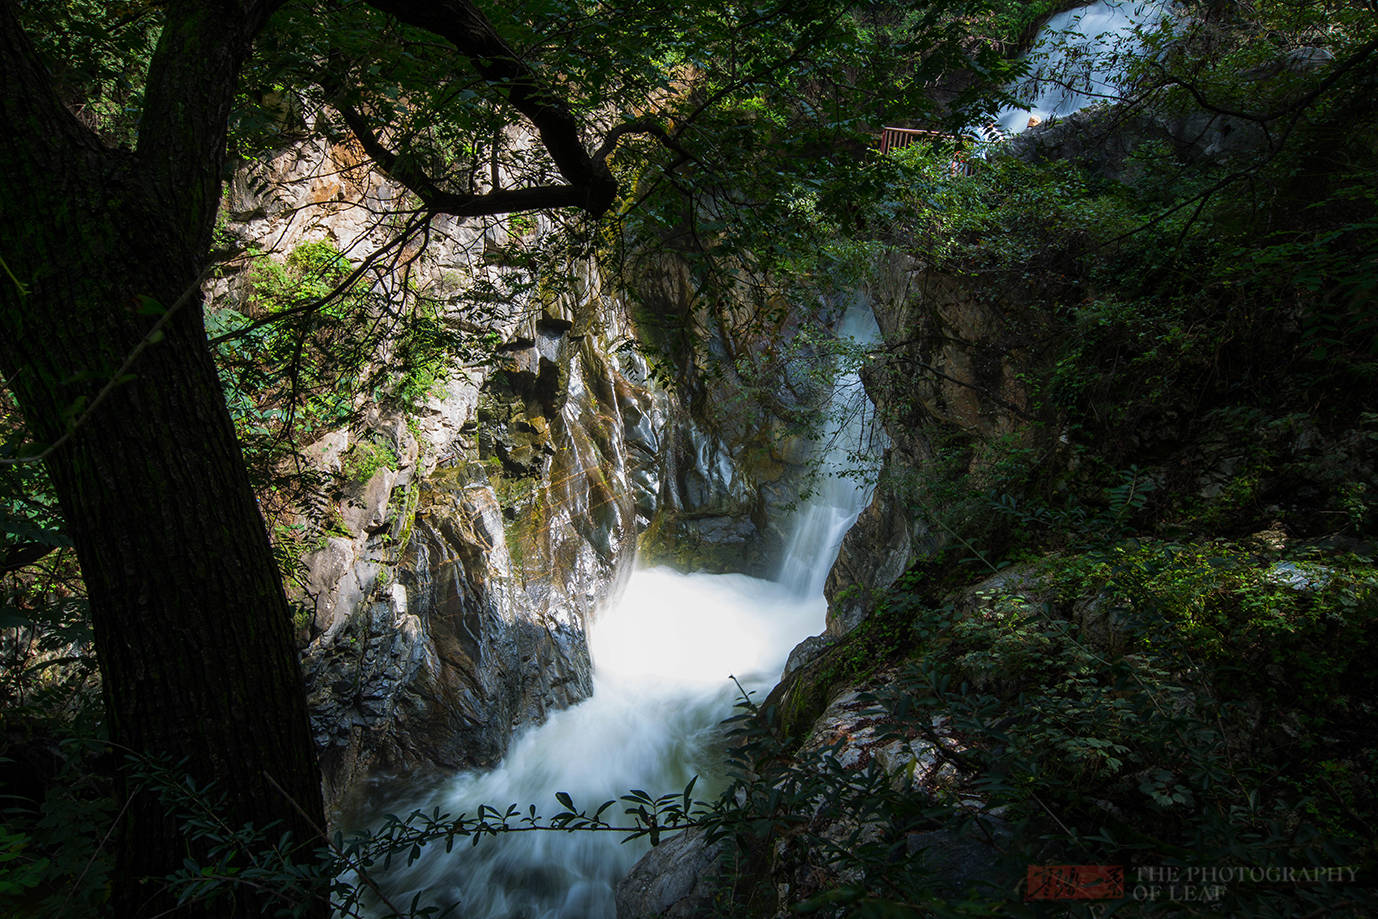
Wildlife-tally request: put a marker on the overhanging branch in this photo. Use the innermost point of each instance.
(497, 201)
(22, 555)
(589, 183)
(591, 186)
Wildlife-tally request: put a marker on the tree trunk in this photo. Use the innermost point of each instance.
(193, 631)
(103, 346)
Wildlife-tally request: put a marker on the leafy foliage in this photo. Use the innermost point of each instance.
(1166, 699)
(98, 53)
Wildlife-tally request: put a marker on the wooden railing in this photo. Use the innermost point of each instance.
(893, 138)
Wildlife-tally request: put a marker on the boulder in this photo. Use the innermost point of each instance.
(675, 880)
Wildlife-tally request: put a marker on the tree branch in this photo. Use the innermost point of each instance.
(30, 111)
(648, 126)
(23, 555)
(1337, 72)
(439, 200)
(190, 91)
(413, 225)
(461, 23)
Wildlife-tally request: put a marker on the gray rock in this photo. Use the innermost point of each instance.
(965, 858)
(1308, 578)
(721, 531)
(366, 511)
(883, 542)
(1298, 60)
(501, 573)
(675, 880)
(807, 651)
(336, 580)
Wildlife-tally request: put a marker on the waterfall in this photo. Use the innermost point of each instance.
(849, 446)
(662, 656)
(1076, 60)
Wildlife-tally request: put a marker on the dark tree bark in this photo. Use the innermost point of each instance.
(103, 346)
(193, 631)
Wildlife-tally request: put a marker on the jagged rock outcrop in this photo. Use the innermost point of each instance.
(953, 359)
(494, 562)
(679, 879)
(1101, 138)
(453, 567)
(750, 382)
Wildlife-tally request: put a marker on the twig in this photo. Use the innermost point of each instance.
(417, 222)
(359, 869)
(71, 891)
(23, 290)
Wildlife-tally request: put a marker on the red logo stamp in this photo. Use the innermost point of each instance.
(1074, 882)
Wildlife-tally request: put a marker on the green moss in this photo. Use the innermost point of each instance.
(302, 616)
(668, 541)
(366, 457)
(887, 636)
(405, 521)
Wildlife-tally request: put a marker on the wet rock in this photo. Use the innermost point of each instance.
(882, 543)
(807, 651)
(727, 532)
(361, 686)
(508, 549)
(675, 880)
(708, 480)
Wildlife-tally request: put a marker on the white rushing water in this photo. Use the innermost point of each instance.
(1077, 60)
(850, 446)
(662, 658)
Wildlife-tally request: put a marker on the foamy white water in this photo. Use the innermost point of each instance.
(663, 655)
(850, 445)
(1075, 59)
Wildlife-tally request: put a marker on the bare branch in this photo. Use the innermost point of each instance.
(23, 555)
(349, 281)
(440, 201)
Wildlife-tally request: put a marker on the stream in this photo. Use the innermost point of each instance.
(663, 654)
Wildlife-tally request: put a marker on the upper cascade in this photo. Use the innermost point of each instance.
(1078, 59)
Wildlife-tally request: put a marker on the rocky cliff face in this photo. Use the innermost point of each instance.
(465, 544)
(492, 565)
(950, 368)
(736, 457)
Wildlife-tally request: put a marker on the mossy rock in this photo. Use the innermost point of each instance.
(801, 697)
(361, 461)
(680, 544)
